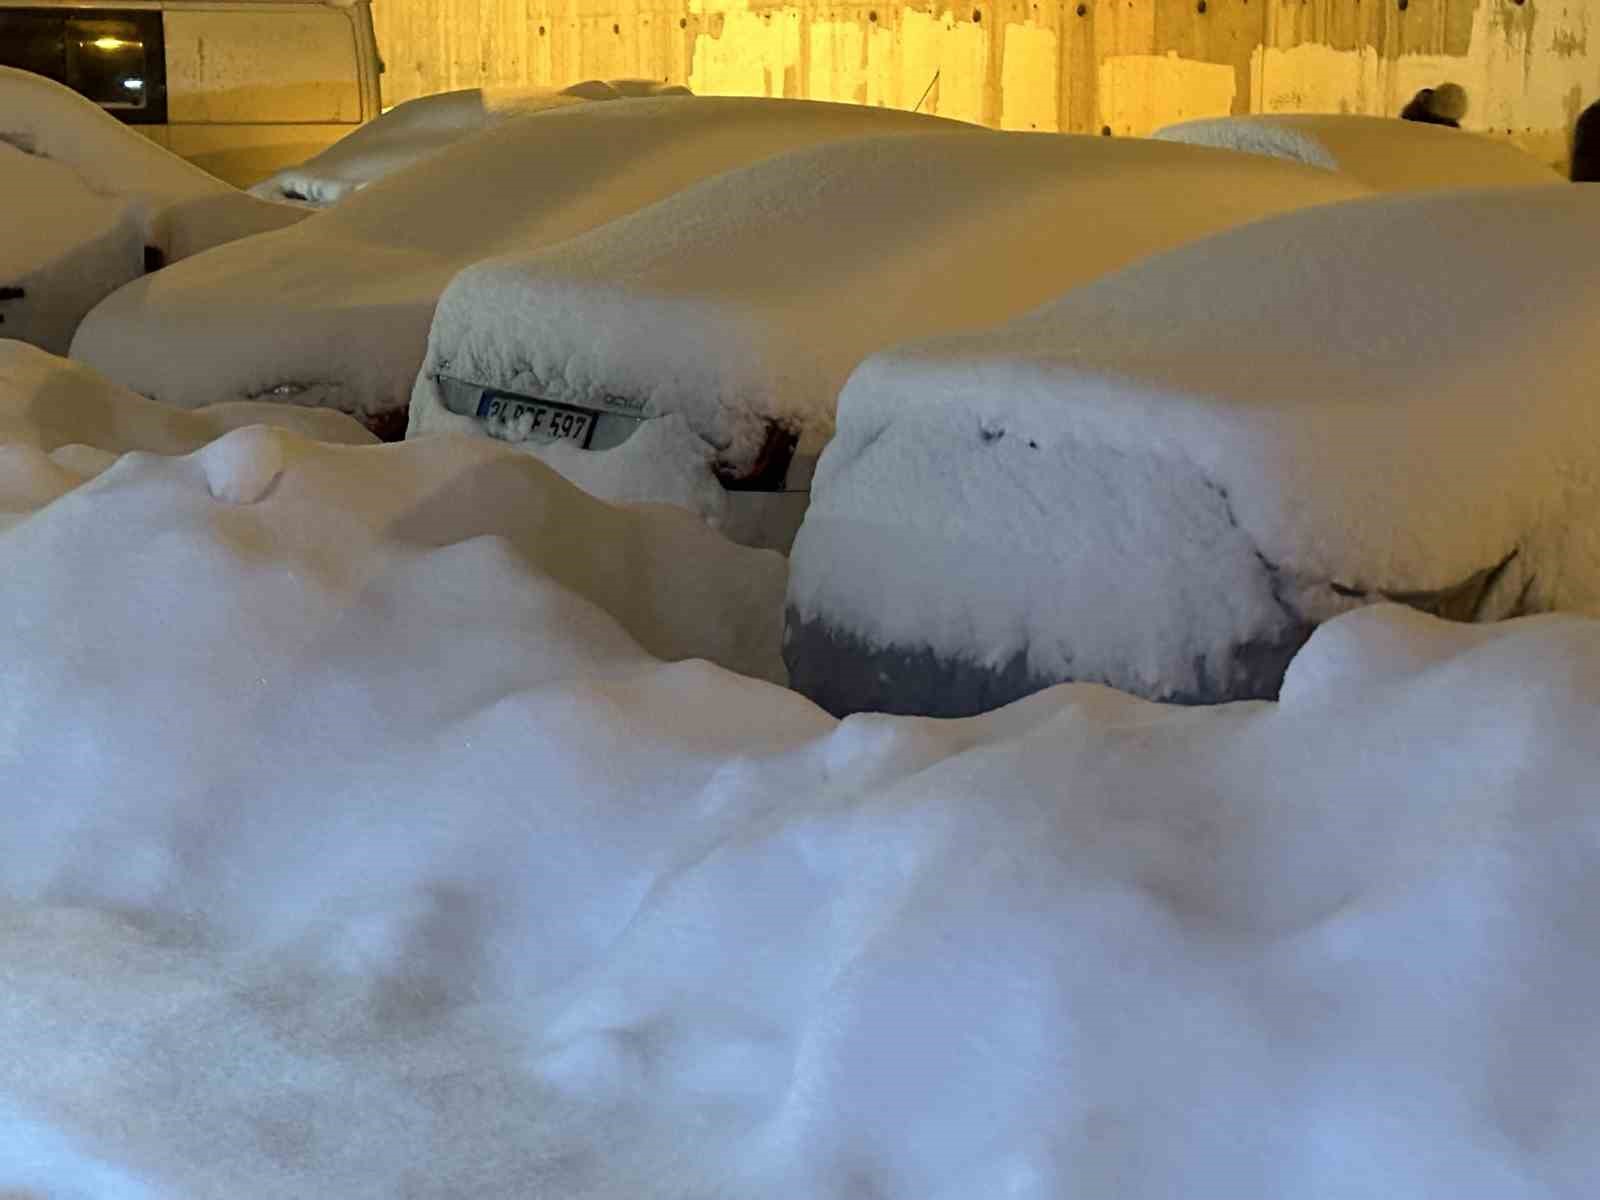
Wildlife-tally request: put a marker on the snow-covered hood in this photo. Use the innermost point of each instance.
(335, 311)
(1385, 153)
(749, 298)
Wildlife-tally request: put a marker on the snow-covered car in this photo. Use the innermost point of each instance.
(335, 310)
(706, 338)
(63, 250)
(1167, 479)
(1386, 154)
(410, 132)
(183, 209)
(90, 205)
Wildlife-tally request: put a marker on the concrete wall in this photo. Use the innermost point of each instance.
(1130, 65)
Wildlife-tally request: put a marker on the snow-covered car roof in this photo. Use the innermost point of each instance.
(335, 311)
(1385, 153)
(184, 210)
(413, 130)
(1165, 479)
(749, 298)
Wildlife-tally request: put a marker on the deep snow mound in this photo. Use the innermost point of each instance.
(181, 209)
(354, 841)
(744, 302)
(62, 424)
(332, 838)
(330, 518)
(415, 129)
(1166, 479)
(1385, 153)
(334, 312)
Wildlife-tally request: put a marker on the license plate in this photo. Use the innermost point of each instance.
(513, 419)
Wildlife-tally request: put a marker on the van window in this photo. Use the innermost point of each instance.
(114, 58)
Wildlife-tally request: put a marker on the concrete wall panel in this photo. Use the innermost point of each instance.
(1074, 65)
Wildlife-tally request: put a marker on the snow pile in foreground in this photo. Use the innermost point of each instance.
(334, 312)
(1382, 152)
(412, 131)
(181, 209)
(62, 424)
(1167, 478)
(748, 299)
(320, 526)
(346, 853)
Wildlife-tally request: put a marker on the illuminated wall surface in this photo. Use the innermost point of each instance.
(1133, 65)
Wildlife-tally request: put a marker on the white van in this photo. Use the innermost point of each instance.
(240, 89)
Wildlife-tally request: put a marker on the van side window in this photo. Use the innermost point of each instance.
(115, 58)
(106, 61)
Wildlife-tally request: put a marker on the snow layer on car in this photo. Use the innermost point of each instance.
(748, 299)
(1167, 478)
(182, 210)
(412, 131)
(1384, 153)
(64, 248)
(350, 846)
(361, 279)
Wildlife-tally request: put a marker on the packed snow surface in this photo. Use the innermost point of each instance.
(1166, 478)
(335, 311)
(181, 209)
(749, 298)
(354, 844)
(1384, 153)
(412, 131)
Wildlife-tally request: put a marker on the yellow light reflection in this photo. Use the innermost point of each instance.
(108, 43)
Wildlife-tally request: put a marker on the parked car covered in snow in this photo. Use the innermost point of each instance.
(89, 205)
(706, 338)
(1386, 154)
(1167, 479)
(335, 310)
(64, 249)
(410, 132)
(239, 87)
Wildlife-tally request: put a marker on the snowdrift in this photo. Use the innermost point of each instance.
(336, 517)
(1166, 479)
(412, 131)
(1386, 154)
(745, 302)
(182, 209)
(334, 312)
(352, 844)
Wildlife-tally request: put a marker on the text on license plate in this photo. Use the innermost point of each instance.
(516, 420)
